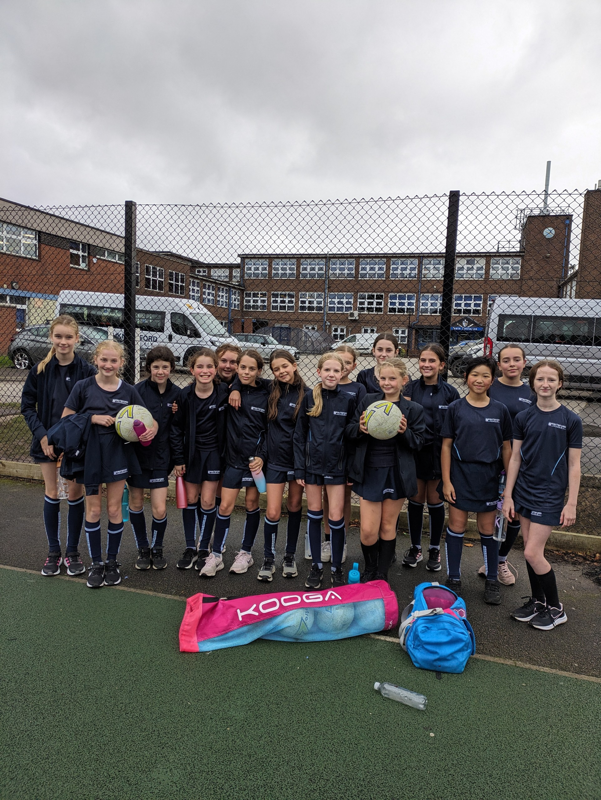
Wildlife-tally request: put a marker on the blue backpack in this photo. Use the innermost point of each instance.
(435, 631)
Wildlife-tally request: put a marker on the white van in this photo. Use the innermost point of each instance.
(182, 325)
(566, 330)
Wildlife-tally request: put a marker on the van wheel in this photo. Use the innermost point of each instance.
(457, 368)
(188, 354)
(22, 359)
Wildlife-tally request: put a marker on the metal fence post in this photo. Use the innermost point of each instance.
(449, 273)
(129, 293)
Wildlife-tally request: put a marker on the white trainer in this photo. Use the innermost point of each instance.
(506, 576)
(242, 562)
(326, 551)
(212, 566)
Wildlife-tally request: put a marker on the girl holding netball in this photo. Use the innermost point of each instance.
(434, 395)
(545, 461)
(383, 471)
(46, 389)
(320, 456)
(102, 397)
(386, 345)
(476, 436)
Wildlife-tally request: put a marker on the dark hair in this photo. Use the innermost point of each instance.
(159, 353)
(481, 361)
(251, 353)
(511, 347)
(276, 389)
(436, 349)
(387, 336)
(202, 351)
(223, 348)
(547, 362)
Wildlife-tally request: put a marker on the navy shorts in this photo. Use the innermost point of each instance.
(476, 485)
(150, 479)
(237, 478)
(276, 475)
(382, 483)
(205, 466)
(427, 462)
(540, 515)
(324, 480)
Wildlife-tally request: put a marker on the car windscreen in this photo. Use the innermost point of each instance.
(208, 323)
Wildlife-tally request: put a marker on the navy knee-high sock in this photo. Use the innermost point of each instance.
(415, 520)
(454, 548)
(294, 523)
(314, 519)
(337, 538)
(159, 527)
(536, 587)
(513, 530)
(437, 515)
(251, 526)
(114, 534)
(189, 521)
(94, 540)
(387, 548)
(549, 585)
(490, 551)
(206, 523)
(222, 527)
(77, 509)
(52, 522)
(138, 524)
(270, 535)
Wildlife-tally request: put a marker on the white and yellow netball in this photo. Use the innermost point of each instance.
(124, 421)
(382, 419)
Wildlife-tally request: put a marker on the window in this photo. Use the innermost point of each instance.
(470, 268)
(194, 285)
(368, 330)
(313, 268)
(78, 255)
(491, 300)
(235, 299)
(430, 304)
(220, 274)
(514, 328)
(340, 302)
(505, 268)
(236, 275)
(563, 330)
(18, 241)
(372, 269)
(569, 289)
(338, 333)
(282, 268)
(104, 317)
(112, 255)
(433, 268)
(208, 294)
(177, 283)
(403, 268)
(282, 301)
(467, 304)
(342, 268)
(181, 326)
(223, 296)
(137, 274)
(154, 278)
(309, 327)
(255, 301)
(202, 271)
(401, 303)
(19, 300)
(401, 334)
(371, 303)
(310, 301)
(255, 268)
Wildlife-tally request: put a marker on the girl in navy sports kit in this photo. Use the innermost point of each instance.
(545, 461)
(245, 450)
(516, 396)
(102, 397)
(320, 459)
(228, 357)
(160, 397)
(434, 395)
(48, 385)
(197, 443)
(287, 392)
(386, 345)
(476, 435)
(384, 471)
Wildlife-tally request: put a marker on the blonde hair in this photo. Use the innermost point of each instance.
(317, 398)
(110, 344)
(68, 322)
(397, 364)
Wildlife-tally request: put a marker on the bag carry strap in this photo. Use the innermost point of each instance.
(404, 629)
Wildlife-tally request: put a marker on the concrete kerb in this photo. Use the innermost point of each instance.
(559, 540)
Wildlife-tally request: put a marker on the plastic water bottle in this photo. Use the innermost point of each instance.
(392, 692)
(125, 504)
(181, 496)
(62, 487)
(500, 531)
(258, 477)
(307, 547)
(139, 430)
(354, 576)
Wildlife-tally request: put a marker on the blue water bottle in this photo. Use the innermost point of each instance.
(354, 575)
(125, 504)
(259, 478)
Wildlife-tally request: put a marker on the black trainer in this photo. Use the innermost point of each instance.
(453, 583)
(528, 611)
(52, 565)
(143, 561)
(96, 575)
(188, 558)
(158, 559)
(492, 593)
(433, 563)
(338, 577)
(369, 575)
(112, 576)
(315, 578)
(412, 557)
(200, 561)
(74, 564)
(549, 618)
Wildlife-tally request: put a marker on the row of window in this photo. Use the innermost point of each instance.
(367, 302)
(528, 328)
(374, 269)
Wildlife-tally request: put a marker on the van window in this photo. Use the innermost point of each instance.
(105, 317)
(209, 324)
(352, 338)
(182, 326)
(514, 328)
(563, 330)
(150, 321)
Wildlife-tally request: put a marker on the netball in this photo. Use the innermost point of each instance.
(124, 421)
(382, 419)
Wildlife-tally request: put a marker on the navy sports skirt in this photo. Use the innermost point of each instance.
(205, 466)
(382, 483)
(476, 485)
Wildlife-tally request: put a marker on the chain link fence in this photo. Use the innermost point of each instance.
(471, 271)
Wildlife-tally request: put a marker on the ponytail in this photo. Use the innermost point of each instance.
(44, 361)
(317, 401)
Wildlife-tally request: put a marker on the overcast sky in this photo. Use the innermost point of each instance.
(200, 101)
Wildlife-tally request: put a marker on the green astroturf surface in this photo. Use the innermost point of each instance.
(97, 702)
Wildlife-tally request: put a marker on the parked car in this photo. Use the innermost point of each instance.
(264, 344)
(460, 353)
(31, 344)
